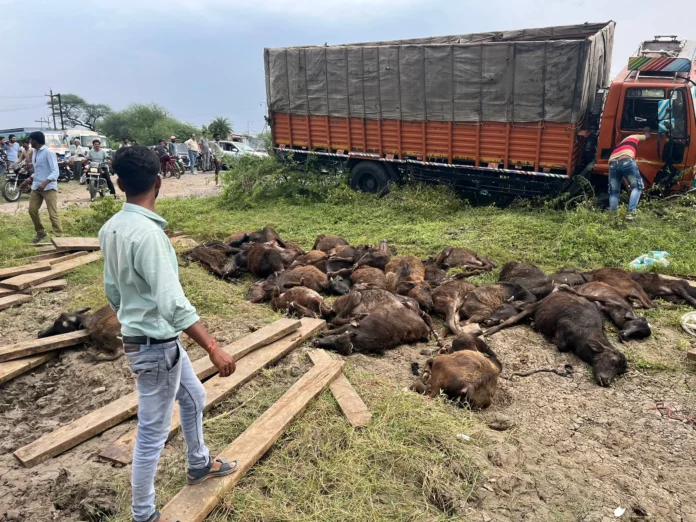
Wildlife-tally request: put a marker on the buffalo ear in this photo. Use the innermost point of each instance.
(82, 310)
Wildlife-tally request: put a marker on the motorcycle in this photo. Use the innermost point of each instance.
(65, 173)
(173, 168)
(11, 186)
(96, 184)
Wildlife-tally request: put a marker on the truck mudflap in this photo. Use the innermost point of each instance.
(481, 180)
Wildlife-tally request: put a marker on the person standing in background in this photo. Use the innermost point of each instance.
(124, 143)
(97, 154)
(205, 153)
(216, 148)
(26, 154)
(12, 148)
(78, 156)
(4, 164)
(44, 186)
(193, 151)
(622, 164)
(163, 155)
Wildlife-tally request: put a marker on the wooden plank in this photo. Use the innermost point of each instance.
(47, 344)
(691, 355)
(48, 286)
(25, 281)
(6, 291)
(14, 300)
(68, 257)
(348, 399)
(45, 248)
(219, 388)
(11, 369)
(194, 503)
(108, 416)
(6, 273)
(42, 257)
(65, 244)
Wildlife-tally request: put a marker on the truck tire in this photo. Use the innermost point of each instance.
(369, 176)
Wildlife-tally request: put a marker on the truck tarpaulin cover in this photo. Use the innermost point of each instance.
(549, 74)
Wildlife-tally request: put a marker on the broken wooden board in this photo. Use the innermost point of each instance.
(194, 503)
(67, 257)
(108, 416)
(14, 300)
(11, 369)
(25, 281)
(348, 399)
(691, 355)
(45, 248)
(48, 286)
(70, 244)
(219, 388)
(47, 344)
(12, 271)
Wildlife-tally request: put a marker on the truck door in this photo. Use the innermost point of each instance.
(640, 110)
(674, 138)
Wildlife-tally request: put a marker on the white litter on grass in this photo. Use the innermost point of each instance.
(619, 511)
(464, 437)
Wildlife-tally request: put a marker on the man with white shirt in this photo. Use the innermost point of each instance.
(193, 150)
(44, 186)
(78, 156)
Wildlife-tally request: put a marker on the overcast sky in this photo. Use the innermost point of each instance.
(204, 58)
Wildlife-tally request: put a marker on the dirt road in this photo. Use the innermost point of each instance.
(73, 193)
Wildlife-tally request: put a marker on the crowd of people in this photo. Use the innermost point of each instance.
(210, 153)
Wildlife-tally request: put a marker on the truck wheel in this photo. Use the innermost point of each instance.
(369, 176)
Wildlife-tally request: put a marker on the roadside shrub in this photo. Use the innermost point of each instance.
(251, 180)
(88, 224)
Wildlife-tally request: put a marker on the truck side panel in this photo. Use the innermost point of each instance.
(536, 147)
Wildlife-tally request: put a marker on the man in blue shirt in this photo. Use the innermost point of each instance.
(44, 186)
(12, 148)
(141, 282)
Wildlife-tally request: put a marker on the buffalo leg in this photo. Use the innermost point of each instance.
(516, 319)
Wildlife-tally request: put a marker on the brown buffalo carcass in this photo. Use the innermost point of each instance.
(673, 290)
(260, 259)
(316, 258)
(406, 276)
(307, 276)
(469, 373)
(369, 275)
(617, 309)
(448, 298)
(103, 327)
(528, 276)
(434, 275)
(305, 301)
(215, 257)
(491, 304)
(574, 324)
(568, 276)
(326, 243)
(470, 261)
(621, 281)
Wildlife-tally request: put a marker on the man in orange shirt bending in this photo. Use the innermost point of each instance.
(622, 164)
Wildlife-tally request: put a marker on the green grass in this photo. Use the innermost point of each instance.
(408, 464)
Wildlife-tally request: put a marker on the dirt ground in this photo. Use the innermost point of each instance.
(72, 193)
(572, 451)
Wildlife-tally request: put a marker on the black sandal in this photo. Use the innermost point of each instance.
(196, 476)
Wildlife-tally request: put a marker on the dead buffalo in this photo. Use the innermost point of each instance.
(528, 276)
(457, 257)
(103, 327)
(574, 324)
(621, 281)
(434, 275)
(369, 275)
(616, 308)
(326, 243)
(406, 276)
(315, 258)
(266, 235)
(307, 276)
(568, 276)
(448, 298)
(491, 304)
(304, 301)
(363, 299)
(262, 260)
(469, 373)
(215, 257)
(674, 290)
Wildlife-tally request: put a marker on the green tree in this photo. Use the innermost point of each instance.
(221, 126)
(147, 123)
(78, 113)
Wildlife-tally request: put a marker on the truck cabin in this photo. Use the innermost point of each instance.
(655, 90)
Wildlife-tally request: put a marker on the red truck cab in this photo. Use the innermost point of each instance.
(663, 69)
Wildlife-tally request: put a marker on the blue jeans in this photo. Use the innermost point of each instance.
(164, 374)
(192, 159)
(619, 169)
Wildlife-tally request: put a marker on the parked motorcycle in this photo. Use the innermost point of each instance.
(65, 172)
(95, 183)
(16, 175)
(173, 168)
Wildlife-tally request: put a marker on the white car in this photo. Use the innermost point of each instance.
(236, 148)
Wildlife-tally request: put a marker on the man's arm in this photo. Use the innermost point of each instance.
(153, 264)
(113, 296)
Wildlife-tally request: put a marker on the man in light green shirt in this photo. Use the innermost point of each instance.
(141, 282)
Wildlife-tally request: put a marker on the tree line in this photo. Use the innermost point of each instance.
(146, 123)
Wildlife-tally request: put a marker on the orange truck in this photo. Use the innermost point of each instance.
(513, 113)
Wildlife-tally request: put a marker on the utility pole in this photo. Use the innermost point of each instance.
(60, 108)
(53, 108)
(41, 121)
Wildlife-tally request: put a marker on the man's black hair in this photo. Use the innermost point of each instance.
(96, 141)
(124, 139)
(216, 136)
(2, 138)
(162, 141)
(25, 140)
(39, 137)
(11, 136)
(137, 168)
